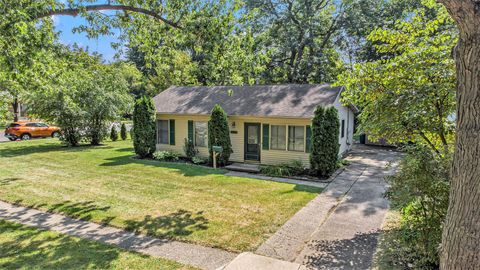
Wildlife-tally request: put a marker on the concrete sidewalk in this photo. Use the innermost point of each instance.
(199, 256)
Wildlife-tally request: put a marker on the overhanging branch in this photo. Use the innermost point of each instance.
(75, 11)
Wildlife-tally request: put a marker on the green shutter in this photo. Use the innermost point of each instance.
(308, 141)
(266, 139)
(190, 130)
(172, 132)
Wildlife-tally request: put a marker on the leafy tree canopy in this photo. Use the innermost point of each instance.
(409, 97)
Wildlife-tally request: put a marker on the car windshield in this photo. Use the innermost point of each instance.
(42, 125)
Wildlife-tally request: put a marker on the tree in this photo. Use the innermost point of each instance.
(461, 233)
(409, 96)
(144, 127)
(123, 132)
(83, 97)
(325, 147)
(113, 133)
(219, 134)
(298, 36)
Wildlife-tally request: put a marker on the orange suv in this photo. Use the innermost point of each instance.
(28, 130)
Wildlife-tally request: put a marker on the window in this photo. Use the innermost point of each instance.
(296, 138)
(201, 138)
(343, 128)
(162, 131)
(278, 137)
(31, 125)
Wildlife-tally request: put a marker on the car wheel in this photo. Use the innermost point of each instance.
(12, 139)
(25, 137)
(55, 134)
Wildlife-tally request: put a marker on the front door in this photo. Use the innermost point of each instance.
(252, 141)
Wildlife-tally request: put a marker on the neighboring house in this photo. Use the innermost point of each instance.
(269, 124)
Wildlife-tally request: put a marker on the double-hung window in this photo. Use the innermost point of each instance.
(278, 139)
(162, 131)
(296, 138)
(201, 137)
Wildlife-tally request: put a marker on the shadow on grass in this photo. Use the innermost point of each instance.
(179, 223)
(15, 150)
(184, 168)
(78, 210)
(9, 180)
(23, 247)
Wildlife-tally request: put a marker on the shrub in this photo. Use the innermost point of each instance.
(293, 168)
(219, 135)
(325, 147)
(189, 148)
(144, 127)
(199, 160)
(123, 132)
(113, 133)
(420, 190)
(166, 156)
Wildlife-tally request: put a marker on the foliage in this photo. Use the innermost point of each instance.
(298, 38)
(219, 135)
(215, 47)
(409, 97)
(86, 96)
(123, 132)
(420, 189)
(144, 127)
(199, 160)
(113, 134)
(325, 145)
(166, 156)
(189, 149)
(293, 168)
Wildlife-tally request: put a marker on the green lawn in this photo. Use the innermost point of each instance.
(24, 247)
(185, 202)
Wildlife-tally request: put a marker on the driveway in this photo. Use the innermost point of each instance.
(339, 228)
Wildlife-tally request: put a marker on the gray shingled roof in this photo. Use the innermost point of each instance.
(289, 100)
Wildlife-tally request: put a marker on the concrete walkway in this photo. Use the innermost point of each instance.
(199, 256)
(339, 228)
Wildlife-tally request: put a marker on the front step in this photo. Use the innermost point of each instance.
(243, 167)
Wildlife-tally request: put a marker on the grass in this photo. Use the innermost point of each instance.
(382, 259)
(23, 247)
(184, 202)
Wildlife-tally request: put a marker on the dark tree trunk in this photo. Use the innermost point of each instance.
(461, 233)
(15, 109)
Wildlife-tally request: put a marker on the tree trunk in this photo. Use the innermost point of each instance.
(15, 109)
(461, 232)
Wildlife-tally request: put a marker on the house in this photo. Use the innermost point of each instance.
(269, 124)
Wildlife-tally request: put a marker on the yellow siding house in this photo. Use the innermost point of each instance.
(269, 124)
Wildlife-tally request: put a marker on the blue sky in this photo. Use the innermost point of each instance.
(65, 24)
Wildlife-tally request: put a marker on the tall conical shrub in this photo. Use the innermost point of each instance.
(219, 134)
(144, 127)
(325, 147)
(113, 134)
(123, 132)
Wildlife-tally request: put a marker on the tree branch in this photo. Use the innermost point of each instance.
(75, 11)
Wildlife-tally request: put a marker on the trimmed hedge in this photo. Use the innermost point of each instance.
(219, 135)
(325, 144)
(144, 127)
(123, 132)
(113, 134)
